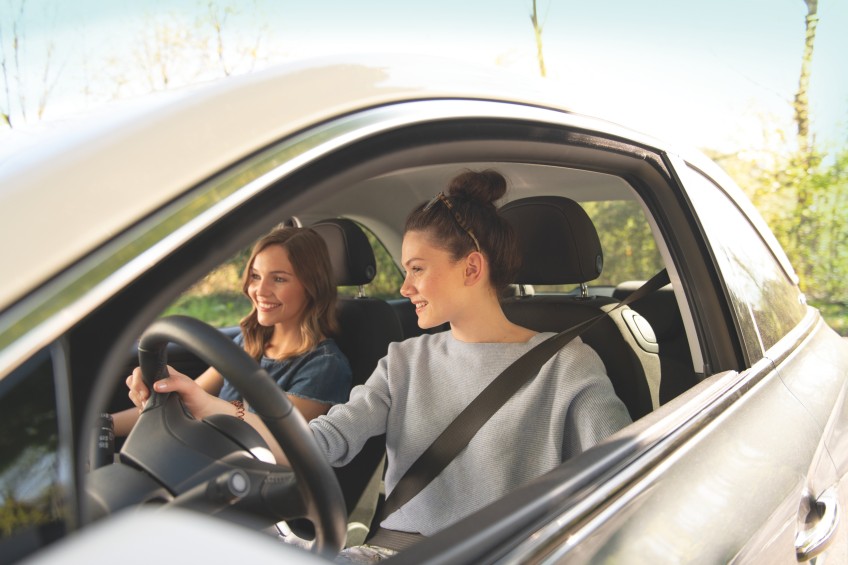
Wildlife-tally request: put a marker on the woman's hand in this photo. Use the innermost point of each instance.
(138, 390)
(194, 397)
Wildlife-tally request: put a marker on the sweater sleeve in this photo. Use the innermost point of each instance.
(595, 411)
(343, 431)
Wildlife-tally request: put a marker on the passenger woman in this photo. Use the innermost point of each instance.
(289, 282)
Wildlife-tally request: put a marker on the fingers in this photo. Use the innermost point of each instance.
(138, 390)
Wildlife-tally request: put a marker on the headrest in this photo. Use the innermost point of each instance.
(557, 240)
(350, 252)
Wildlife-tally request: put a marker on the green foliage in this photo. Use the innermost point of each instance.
(804, 199)
(220, 309)
(630, 252)
(836, 314)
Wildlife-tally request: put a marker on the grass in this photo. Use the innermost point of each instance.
(219, 309)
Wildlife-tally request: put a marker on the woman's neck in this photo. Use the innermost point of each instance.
(488, 324)
(285, 341)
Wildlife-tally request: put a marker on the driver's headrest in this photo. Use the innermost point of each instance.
(350, 252)
(557, 240)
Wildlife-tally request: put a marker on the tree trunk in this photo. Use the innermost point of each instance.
(537, 30)
(801, 104)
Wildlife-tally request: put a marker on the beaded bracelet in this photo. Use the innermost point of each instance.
(239, 408)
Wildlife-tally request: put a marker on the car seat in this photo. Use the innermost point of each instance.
(367, 326)
(559, 245)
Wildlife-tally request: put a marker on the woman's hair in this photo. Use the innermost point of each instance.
(464, 219)
(311, 263)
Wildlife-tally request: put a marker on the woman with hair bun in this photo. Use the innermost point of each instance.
(459, 254)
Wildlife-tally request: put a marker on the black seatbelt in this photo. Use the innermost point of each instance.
(460, 431)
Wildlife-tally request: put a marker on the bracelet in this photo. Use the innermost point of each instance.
(239, 408)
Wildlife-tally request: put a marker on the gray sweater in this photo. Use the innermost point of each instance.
(423, 383)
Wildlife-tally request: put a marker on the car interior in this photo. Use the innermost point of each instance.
(590, 232)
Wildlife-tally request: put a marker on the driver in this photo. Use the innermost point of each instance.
(459, 255)
(288, 279)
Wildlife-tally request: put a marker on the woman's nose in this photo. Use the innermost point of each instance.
(406, 289)
(260, 287)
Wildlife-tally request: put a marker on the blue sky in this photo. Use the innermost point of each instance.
(712, 73)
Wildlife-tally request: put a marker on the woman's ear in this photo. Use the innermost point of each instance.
(475, 268)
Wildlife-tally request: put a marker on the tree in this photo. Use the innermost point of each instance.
(229, 53)
(18, 93)
(801, 102)
(537, 30)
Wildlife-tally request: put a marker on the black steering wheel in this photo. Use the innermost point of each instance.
(214, 465)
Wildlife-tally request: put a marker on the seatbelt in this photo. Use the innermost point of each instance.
(464, 427)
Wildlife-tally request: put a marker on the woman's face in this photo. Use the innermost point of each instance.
(434, 282)
(276, 292)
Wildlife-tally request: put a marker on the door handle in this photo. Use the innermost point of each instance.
(824, 518)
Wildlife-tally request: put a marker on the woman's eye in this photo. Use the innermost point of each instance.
(254, 277)
(279, 279)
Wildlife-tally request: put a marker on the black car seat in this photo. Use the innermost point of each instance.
(367, 326)
(560, 246)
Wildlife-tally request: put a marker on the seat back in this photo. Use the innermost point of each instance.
(662, 312)
(560, 245)
(367, 326)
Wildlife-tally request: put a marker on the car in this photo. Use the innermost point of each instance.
(739, 446)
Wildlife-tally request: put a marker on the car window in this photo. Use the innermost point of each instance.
(32, 496)
(217, 298)
(387, 282)
(766, 302)
(630, 251)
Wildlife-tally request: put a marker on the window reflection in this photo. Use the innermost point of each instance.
(31, 498)
(766, 302)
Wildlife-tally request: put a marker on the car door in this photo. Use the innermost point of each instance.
(771, 315)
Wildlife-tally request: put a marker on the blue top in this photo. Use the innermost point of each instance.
(321, 374)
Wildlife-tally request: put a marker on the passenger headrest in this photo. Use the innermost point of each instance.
(557, 240)
(350, 252)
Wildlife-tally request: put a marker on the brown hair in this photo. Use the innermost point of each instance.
(311, 263)
(470, 217)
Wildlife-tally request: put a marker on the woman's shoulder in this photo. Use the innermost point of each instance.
(327, 349)
(423, 342)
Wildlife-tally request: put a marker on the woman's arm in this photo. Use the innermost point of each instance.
(310, 409)
(210, 381)
(202, 404)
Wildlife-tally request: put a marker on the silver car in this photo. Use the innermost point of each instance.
(739, 447)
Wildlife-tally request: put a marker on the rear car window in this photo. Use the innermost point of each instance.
(766, 302)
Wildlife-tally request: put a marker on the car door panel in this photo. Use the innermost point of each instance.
(808, 362)
(731, 490)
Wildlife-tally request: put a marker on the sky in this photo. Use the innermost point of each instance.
(714, 74)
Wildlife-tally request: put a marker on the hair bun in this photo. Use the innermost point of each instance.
(484, 187)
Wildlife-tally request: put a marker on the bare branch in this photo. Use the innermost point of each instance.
(537, 30)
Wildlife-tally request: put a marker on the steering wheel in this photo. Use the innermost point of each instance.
(214, 465)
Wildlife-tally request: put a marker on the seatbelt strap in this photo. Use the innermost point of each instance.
(466, 425)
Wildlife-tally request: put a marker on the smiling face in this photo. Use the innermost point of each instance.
(274, 289)
(434, 283)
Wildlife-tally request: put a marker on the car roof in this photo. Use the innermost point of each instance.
(94, 176)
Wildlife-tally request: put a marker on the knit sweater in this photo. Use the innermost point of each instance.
(423, 383)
